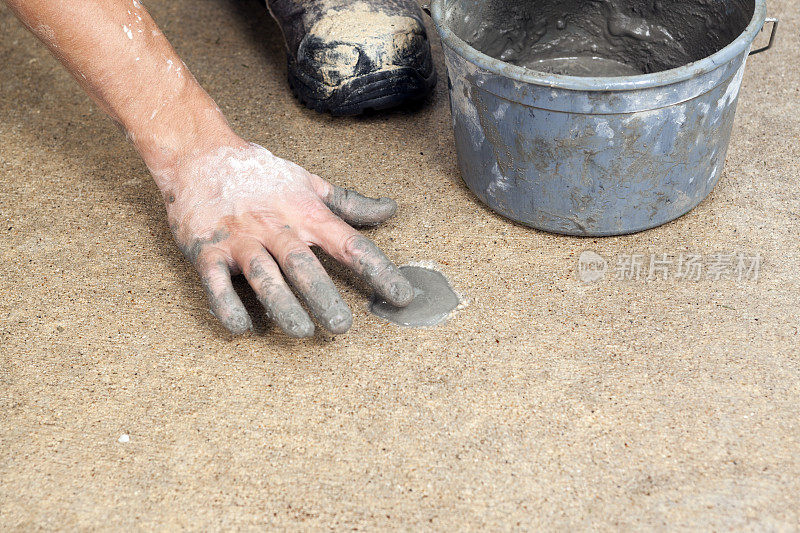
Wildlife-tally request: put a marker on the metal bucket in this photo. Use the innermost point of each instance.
(591, 156)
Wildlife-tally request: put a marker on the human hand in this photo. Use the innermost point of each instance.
(239, 208)
(233, 206)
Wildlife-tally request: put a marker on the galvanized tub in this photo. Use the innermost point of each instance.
(591, 156)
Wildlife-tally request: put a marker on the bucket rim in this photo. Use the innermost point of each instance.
(619, 83)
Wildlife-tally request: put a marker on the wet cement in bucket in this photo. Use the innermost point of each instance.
(599, 37)
(434, 300)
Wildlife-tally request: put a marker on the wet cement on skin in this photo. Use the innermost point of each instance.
(434, 300)
(599, 37)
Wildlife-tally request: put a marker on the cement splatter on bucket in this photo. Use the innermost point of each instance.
(594, 117)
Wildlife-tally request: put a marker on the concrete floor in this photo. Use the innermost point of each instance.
(547, 402)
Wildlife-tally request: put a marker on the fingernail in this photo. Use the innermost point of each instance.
(402, 292)
(388, 202)
(240, 324)
(341, 321)
(300, 326)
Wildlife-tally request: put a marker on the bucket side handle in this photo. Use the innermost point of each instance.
(774, 22)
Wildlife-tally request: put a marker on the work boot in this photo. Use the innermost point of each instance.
(348, 56)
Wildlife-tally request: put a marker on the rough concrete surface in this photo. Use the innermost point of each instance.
(546, 403)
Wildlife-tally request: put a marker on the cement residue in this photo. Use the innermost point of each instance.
(348, 35)
(582, 66)
(434, 299)
(599, 37)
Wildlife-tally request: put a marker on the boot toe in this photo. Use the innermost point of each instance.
(351, 43)
(346, 57)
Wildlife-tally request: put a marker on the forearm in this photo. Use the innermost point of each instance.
(116, 52)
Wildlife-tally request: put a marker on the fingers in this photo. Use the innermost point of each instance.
(223, 300)
(365, 258)
(274, 294)
(356, 209)
(304, 271)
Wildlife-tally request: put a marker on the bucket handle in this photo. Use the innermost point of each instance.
(774, 22)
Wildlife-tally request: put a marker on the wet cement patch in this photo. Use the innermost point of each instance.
(434, 300)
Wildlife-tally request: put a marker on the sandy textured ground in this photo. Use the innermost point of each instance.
(546, 402)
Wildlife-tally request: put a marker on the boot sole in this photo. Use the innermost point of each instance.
(375, 91)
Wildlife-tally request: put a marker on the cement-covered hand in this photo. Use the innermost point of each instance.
(233, 206)
(239, 208)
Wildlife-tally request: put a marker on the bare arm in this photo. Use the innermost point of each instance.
(233, 206)
(118, 55)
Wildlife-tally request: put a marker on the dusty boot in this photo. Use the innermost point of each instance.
(347, 56)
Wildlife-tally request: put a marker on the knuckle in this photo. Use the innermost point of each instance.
(322, 187)
(316, 213)
(205, 263)
(266, 280)
(259, 267)
(367, 259)
(212, 259)
(267, 219)
(380, 271)
(355, 246)
(214, 279)
(206, 243)
(276, 297)
(296, 256)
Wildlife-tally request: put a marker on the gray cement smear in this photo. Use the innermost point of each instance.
(583, 66)
(599, 37)
(434, 300)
